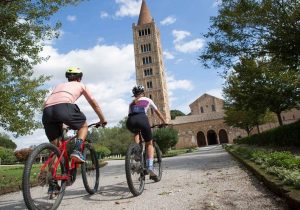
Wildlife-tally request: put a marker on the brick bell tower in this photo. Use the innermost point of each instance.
(149, 63)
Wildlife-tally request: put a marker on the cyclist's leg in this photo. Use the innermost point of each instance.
(76, 120)
(147, 136)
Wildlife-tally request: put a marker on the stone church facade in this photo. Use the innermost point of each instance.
(205, 124)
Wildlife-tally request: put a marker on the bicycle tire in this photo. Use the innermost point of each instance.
(157, 162)
(90, 170)
(133, 167)
(29, 189)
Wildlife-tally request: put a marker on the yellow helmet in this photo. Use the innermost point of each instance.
(73, 73)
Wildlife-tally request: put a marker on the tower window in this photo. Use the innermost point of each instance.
(144, 32)
(148, 72)
(213, 108)
(201, 109)
(146, 47)
(150, 96)
(149, 85)
(147, 60)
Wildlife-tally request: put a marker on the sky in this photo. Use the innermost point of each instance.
(97, 37)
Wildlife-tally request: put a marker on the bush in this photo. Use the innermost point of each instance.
(7, 156)
(22, 154)
(102, 151)
(286, 135)
(165, 138)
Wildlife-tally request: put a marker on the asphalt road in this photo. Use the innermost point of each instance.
(207, 179)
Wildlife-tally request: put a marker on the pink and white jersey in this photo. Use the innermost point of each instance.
(141, 105)
(68, 92)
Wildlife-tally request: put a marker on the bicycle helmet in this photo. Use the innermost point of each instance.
(137, 90)
(73, 73)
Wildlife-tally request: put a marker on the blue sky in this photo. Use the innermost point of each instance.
(96, 36)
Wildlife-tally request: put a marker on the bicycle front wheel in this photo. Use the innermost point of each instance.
(90, 170)
(134, 162)
(157, 163)
(40, 190)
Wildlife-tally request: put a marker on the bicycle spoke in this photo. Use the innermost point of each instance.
(40, 191)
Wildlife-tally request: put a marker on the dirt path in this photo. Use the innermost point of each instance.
(206, 179)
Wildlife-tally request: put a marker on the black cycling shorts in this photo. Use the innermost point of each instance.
(140, 122)
(56, 115)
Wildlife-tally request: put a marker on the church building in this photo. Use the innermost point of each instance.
(205, 124)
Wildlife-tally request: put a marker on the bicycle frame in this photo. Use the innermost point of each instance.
(64, 154)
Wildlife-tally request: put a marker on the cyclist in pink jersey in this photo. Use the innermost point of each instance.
(60, 108)
(138, 121)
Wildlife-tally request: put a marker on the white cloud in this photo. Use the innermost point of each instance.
(104, 14)
(71, 18)
(108, 72)
(168, 20)
(215, 92)
(191, 46)
(168, 55)
(128, 8)
(174, 84)
(180, 35)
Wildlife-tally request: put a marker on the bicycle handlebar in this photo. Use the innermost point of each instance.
(160, 125)
(97, 125)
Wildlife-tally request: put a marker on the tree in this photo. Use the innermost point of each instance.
(165, 138)
(7, 156)
(261, 86)
(254, 29)
(23, 28)
(23, 154)
(175, 113)
(245, 119)
(6, 142)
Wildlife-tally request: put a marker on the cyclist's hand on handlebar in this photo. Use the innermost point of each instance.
(102, 124)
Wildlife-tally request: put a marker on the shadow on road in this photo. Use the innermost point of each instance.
(12, 204)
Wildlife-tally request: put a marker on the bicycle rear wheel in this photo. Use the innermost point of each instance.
(90, 170)
(37, 178)
(134, 169)
(157, 163)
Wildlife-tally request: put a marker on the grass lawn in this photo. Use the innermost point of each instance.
(10, 178)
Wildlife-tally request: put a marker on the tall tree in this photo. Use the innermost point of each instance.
(254, 29)
(6, 142)
(261, 86)
(24, 25)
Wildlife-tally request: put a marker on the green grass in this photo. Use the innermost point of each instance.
(10, 177)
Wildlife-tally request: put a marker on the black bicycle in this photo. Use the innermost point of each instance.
(135, 164)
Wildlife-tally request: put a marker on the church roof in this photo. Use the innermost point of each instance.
(198, 118)
(145, 16)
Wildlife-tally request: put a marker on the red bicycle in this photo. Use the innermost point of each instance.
(49, 170)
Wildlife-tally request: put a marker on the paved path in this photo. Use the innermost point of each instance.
(206, 179)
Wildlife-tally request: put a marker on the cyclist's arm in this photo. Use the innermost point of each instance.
(87, 94)
(157, 112)
(160, 116)
(98, 110)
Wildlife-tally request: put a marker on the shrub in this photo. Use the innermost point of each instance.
(165, 138)
(102, 151)
(286, 135)
(22, 154)
(7, 156)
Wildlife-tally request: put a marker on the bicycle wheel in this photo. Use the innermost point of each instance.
(135, 176)
(157, 163)
(90, 170)
(40, 191)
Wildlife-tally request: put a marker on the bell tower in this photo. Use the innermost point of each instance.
(149, 63)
